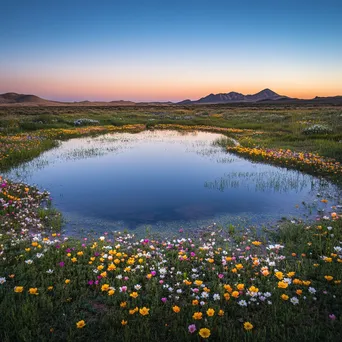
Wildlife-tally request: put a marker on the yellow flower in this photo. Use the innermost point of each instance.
(111, 292)
(226, 296)
(50, 288)
(220, 313)
(284, 297)
(256, 243)
(235, 294)
(197, 315)
(103, 274)
(228, 288)
(239, 266)
(105, 287)
(33, 291)
(100, 267)
(123, 304)
(34, 244)
(240, 287)
(19, 289)
(74, 259)
(111, 267)
(306, 282)
(27, 249)
(297, 281)
(144, 311)
(299, 292)
(195, 302)
(210, 312)
(329, 278)
(123, 322)
(80, 324)
(328, 259)
(282, 285)
(176, 308)
(67, 281)
(279, 275)
(291, 274)
(198, 282)
(80, 253)
(204, 332)
(248, 326)
(253, 289)
(134, 294)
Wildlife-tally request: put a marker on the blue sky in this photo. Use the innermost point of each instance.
(170, 50)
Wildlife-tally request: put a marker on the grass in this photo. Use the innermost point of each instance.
(218, 283)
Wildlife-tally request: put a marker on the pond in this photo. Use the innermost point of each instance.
(164, 181)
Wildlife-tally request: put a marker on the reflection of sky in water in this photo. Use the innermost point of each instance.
(161, 177)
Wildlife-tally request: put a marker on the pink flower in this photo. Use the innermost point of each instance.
(153, 273)
(161, 281)
(220, 275)
(164, 300)
(123, 288)
(332, 317)
(192, 328)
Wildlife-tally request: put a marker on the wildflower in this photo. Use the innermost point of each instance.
(204, 332)
(282, 285)
(105, 287)
(242, 303)
(220, 313)
(284, 297)
(279, 275)
(248, 326)
(49, 271)
(2, 280)
(235, 294)
(299, 292)
(312, 290)
(111, 292)
(192, 328)
(253, 289)
(210, 312)
(67, 281)
(197, 315)
(240, 287)
(256, 243)
(33, 291)
(332, 317)
(176, 309)
(329, 278)
(50, 288)
(294, 300)
(19, 289)
(123, 304)
(29, 261)
(74, 259)
(239, 266)
(134, 294)
(216, 296)
(144, 311)
(195, 302)
(123, 322)
(80, 324)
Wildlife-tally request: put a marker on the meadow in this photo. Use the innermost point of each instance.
(216, 283)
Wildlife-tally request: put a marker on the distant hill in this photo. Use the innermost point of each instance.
(12, 98)
(266, 94)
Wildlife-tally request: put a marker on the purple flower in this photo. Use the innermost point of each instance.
(164, 300)
(61, 264)
(91, 282)
(68, 250)
(153, 273)
(332, 317)
(192, 328)
(220, 275)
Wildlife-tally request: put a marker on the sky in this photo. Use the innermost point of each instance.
(169, 50)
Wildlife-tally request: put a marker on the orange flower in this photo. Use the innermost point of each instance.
(176, 309)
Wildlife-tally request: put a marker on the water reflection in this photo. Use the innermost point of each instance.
(164, 179)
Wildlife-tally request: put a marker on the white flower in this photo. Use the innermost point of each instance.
(39, 255)
(179, 291)
(204, 295)
(49, 271)
(137, 287)
(329, 228)
(101, 238)
(242, 303)
(2, 280)
(312, 290)
(287, 280)
(294, 300)
(216, 296)
(29, 262)
(202, 303)
(119, 276)
(267, 294)
(338, 249)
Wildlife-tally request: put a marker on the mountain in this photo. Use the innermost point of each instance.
(14, 98)
(263, 95)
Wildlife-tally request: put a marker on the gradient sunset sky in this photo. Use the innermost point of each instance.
(169, 50)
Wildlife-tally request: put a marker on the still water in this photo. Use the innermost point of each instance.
(165, 180)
